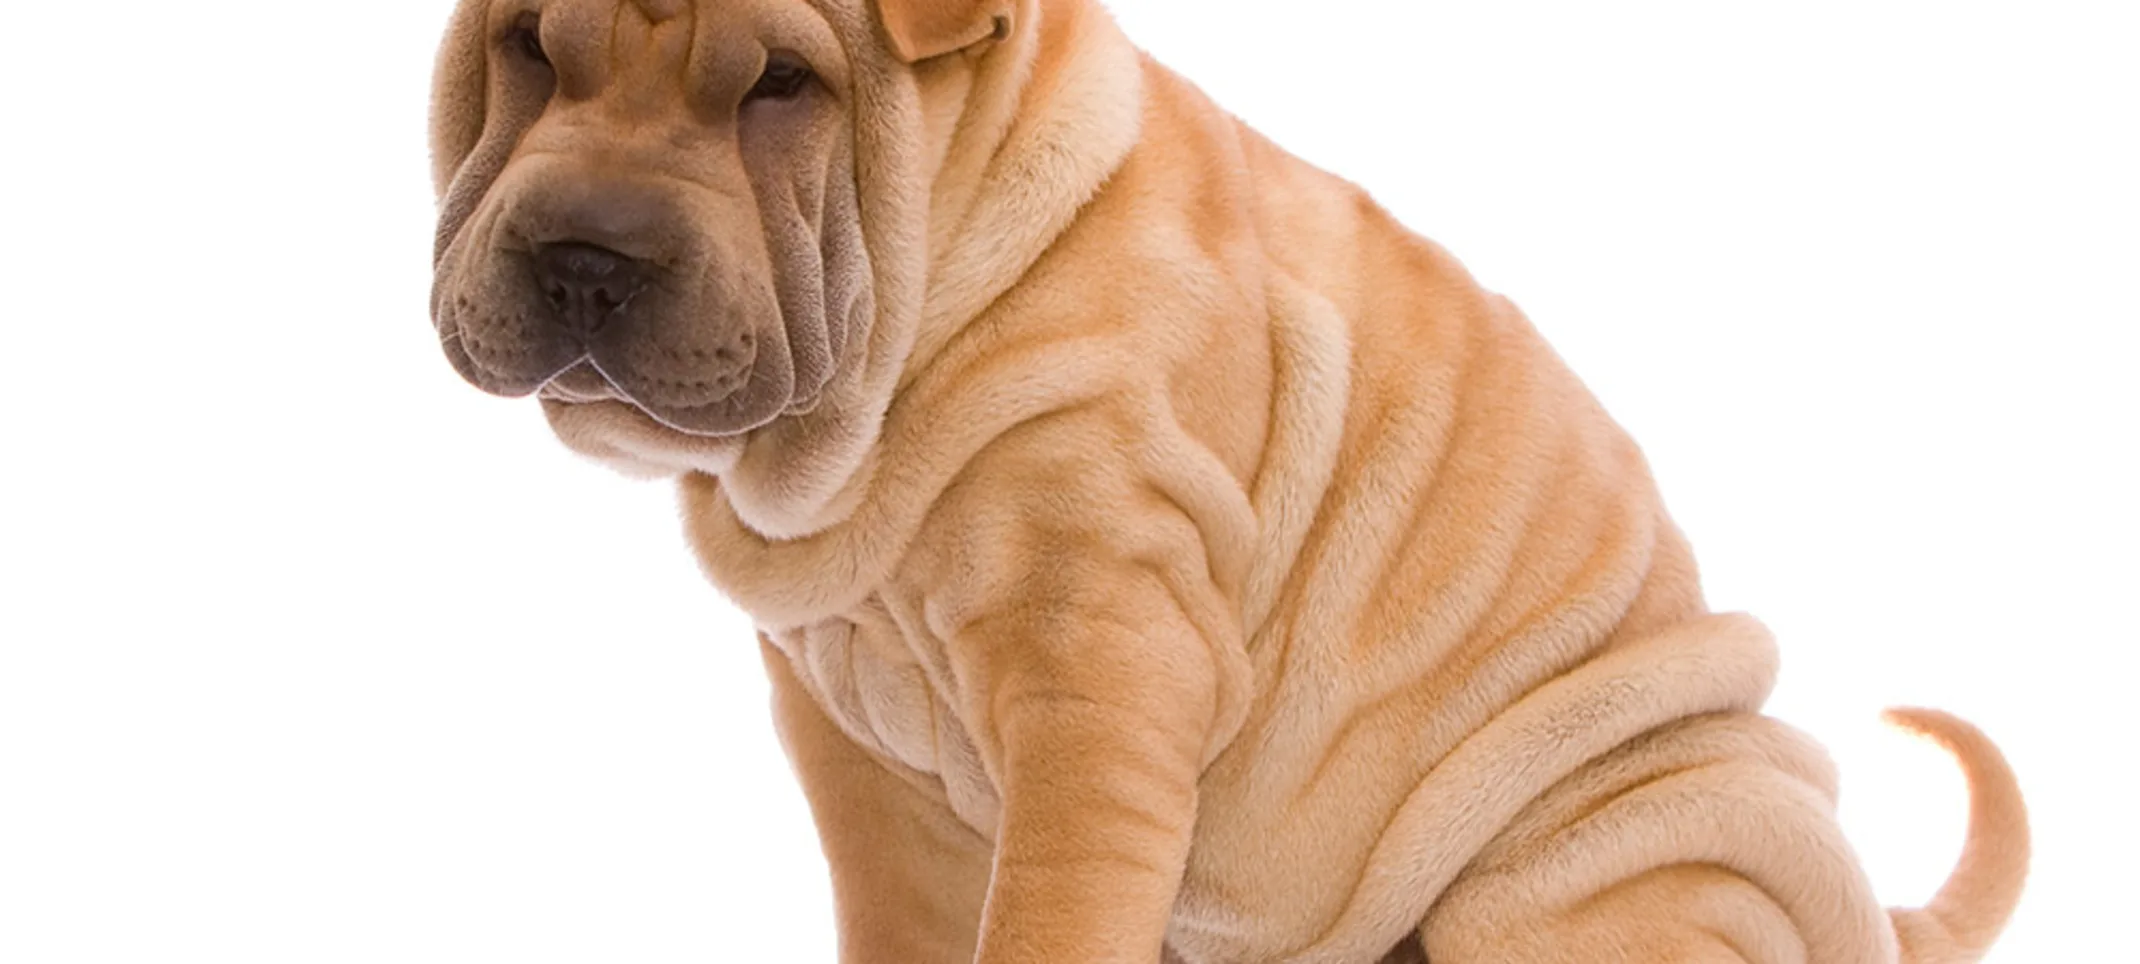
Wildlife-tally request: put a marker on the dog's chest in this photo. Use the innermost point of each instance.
(876, 687)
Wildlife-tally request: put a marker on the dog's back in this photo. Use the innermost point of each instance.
(1485, 679)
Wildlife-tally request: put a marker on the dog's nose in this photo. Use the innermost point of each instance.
(587, 285)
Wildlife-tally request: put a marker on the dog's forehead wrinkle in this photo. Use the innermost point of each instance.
(658, 11)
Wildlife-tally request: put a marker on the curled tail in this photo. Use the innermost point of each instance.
(1972, 906)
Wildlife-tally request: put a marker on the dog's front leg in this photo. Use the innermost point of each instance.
(908, 878)
(1096, 711)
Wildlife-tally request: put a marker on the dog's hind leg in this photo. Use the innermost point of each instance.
(1710, 840)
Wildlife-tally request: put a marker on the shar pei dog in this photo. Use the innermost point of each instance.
(1158, 552)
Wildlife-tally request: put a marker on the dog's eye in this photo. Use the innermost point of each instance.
(525, 39)
(785, 76)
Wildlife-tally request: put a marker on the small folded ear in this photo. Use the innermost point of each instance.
(921, 29)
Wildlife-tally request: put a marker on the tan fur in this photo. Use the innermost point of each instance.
(921, 29)
(1190, 557)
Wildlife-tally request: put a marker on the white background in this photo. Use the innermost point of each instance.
(312, 653)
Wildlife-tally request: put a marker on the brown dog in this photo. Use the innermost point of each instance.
(1158, 550)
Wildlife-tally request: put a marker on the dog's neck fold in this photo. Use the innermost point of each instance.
(1015, 136)
(1028, 136)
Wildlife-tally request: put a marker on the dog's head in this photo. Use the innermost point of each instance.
(649, 209)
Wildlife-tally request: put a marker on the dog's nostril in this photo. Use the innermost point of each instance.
(588, 285)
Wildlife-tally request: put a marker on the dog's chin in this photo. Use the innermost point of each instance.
(597, 419)
(626, 438)
(734, 414)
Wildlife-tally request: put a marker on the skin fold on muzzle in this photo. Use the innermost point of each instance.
(659, 212)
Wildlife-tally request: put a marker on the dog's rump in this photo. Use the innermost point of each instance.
(1641, 803)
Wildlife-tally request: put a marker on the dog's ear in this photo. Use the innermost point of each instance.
(921, 29)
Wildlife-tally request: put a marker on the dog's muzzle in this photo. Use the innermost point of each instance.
(591, 289)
